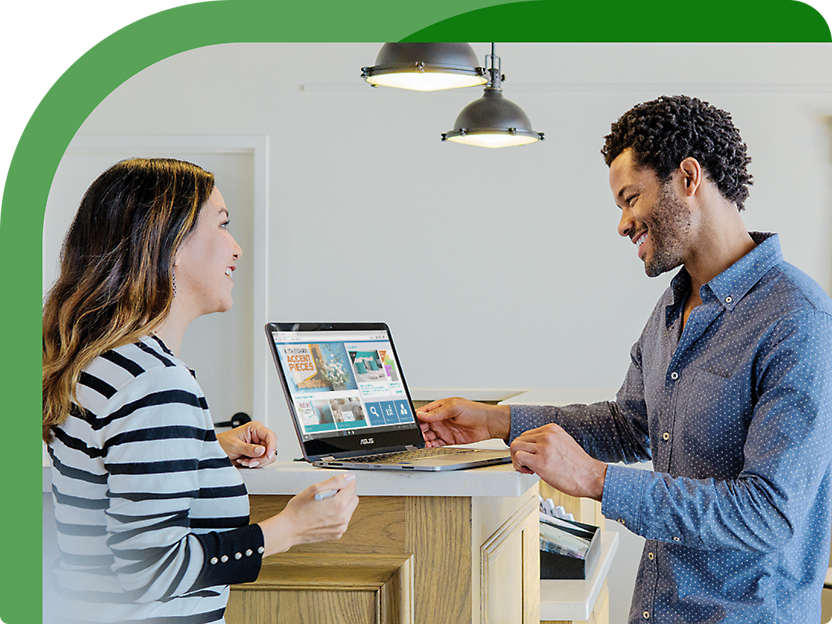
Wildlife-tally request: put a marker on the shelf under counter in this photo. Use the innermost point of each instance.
(567, 600)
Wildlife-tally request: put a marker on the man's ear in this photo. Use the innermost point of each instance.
(690, 173)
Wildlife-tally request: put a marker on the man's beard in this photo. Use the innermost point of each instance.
(669, 227)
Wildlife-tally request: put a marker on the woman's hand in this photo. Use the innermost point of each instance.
(249, 445)
(306, 520)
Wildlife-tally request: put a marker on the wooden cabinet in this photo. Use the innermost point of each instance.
(405, 559)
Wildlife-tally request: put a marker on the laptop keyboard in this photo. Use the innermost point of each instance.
(403, 456)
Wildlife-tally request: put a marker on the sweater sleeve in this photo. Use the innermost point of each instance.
(157, 437)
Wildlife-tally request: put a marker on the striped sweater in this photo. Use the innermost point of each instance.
(152, 517)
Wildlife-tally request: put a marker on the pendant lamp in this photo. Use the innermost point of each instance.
(493, 121)
(425, 67)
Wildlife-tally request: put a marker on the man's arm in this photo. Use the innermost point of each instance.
(459, 421)
(786, 458)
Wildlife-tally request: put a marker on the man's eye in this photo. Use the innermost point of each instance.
(631, 199)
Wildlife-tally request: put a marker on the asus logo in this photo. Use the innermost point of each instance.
(366, 440)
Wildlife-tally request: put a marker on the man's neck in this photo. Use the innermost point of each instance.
(722, 242)
(716, 254)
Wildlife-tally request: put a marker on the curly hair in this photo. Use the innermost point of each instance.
(665, 131)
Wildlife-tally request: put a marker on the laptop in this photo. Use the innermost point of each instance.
(350, 404)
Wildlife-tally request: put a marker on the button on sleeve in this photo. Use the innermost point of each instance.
(622, 495)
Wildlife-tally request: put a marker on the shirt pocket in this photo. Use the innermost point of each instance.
(710, 431)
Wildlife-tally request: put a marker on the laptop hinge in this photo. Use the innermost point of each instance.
(410, 447)
(330, 458)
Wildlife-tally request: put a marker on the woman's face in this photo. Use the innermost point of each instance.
(206, 261)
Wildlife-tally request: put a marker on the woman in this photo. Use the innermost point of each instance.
(152, 516)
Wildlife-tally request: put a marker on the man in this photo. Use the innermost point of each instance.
(729, 392)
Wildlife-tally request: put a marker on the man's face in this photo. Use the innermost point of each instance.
(653, 216)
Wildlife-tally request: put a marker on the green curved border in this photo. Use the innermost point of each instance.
(652, 21)
(113, 61)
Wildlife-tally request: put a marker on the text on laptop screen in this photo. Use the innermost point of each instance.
(343, 383)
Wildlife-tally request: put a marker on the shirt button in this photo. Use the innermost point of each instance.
(214, 560)
(650, 556)
(674, 375)
(666, 435)
(728, 299)
(238, 556)
(224, 558)
(676, 539)
(249, 552)
(646, 615)
(621, 520)
(261, 550)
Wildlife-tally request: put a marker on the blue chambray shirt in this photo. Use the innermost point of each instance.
(736, 413)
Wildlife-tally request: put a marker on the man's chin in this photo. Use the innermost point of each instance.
(654, 269)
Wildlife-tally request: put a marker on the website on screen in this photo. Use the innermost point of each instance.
(342, 383)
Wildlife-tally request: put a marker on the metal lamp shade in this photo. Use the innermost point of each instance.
(425, 66)
(492, 121)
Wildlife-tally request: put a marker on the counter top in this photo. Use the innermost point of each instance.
(292, 477)
(287, 477)
(560, 396)
(575, 600)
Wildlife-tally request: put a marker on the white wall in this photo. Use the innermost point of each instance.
(494, 268)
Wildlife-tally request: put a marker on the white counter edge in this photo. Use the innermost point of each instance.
(289, 478)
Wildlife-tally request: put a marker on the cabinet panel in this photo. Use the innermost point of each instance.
(404, 560)
(439, 535)
(302, 607)
(296, 587)
(509, 562)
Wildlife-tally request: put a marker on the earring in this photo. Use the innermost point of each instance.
(173, 279)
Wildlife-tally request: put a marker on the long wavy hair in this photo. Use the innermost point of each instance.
(116, 282)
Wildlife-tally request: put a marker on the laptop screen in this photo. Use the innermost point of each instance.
(344, 386)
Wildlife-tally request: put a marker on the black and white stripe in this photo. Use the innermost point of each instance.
(151, 514)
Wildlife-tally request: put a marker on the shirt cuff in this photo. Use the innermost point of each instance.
(233, 556)
(623, 494)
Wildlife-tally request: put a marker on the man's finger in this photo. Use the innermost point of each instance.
(521, 460)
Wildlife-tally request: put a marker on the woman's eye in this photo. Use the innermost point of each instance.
(224, 224)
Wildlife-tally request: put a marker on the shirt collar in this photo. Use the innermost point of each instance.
(679, 288)
(730, 286)
(734, 282)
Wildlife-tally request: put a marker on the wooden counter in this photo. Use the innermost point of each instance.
(422, 547)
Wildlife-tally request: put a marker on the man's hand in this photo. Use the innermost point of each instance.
(249, 445)
(554, 456)
(458, 421)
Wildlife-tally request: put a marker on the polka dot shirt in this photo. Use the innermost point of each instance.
(735, 410)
